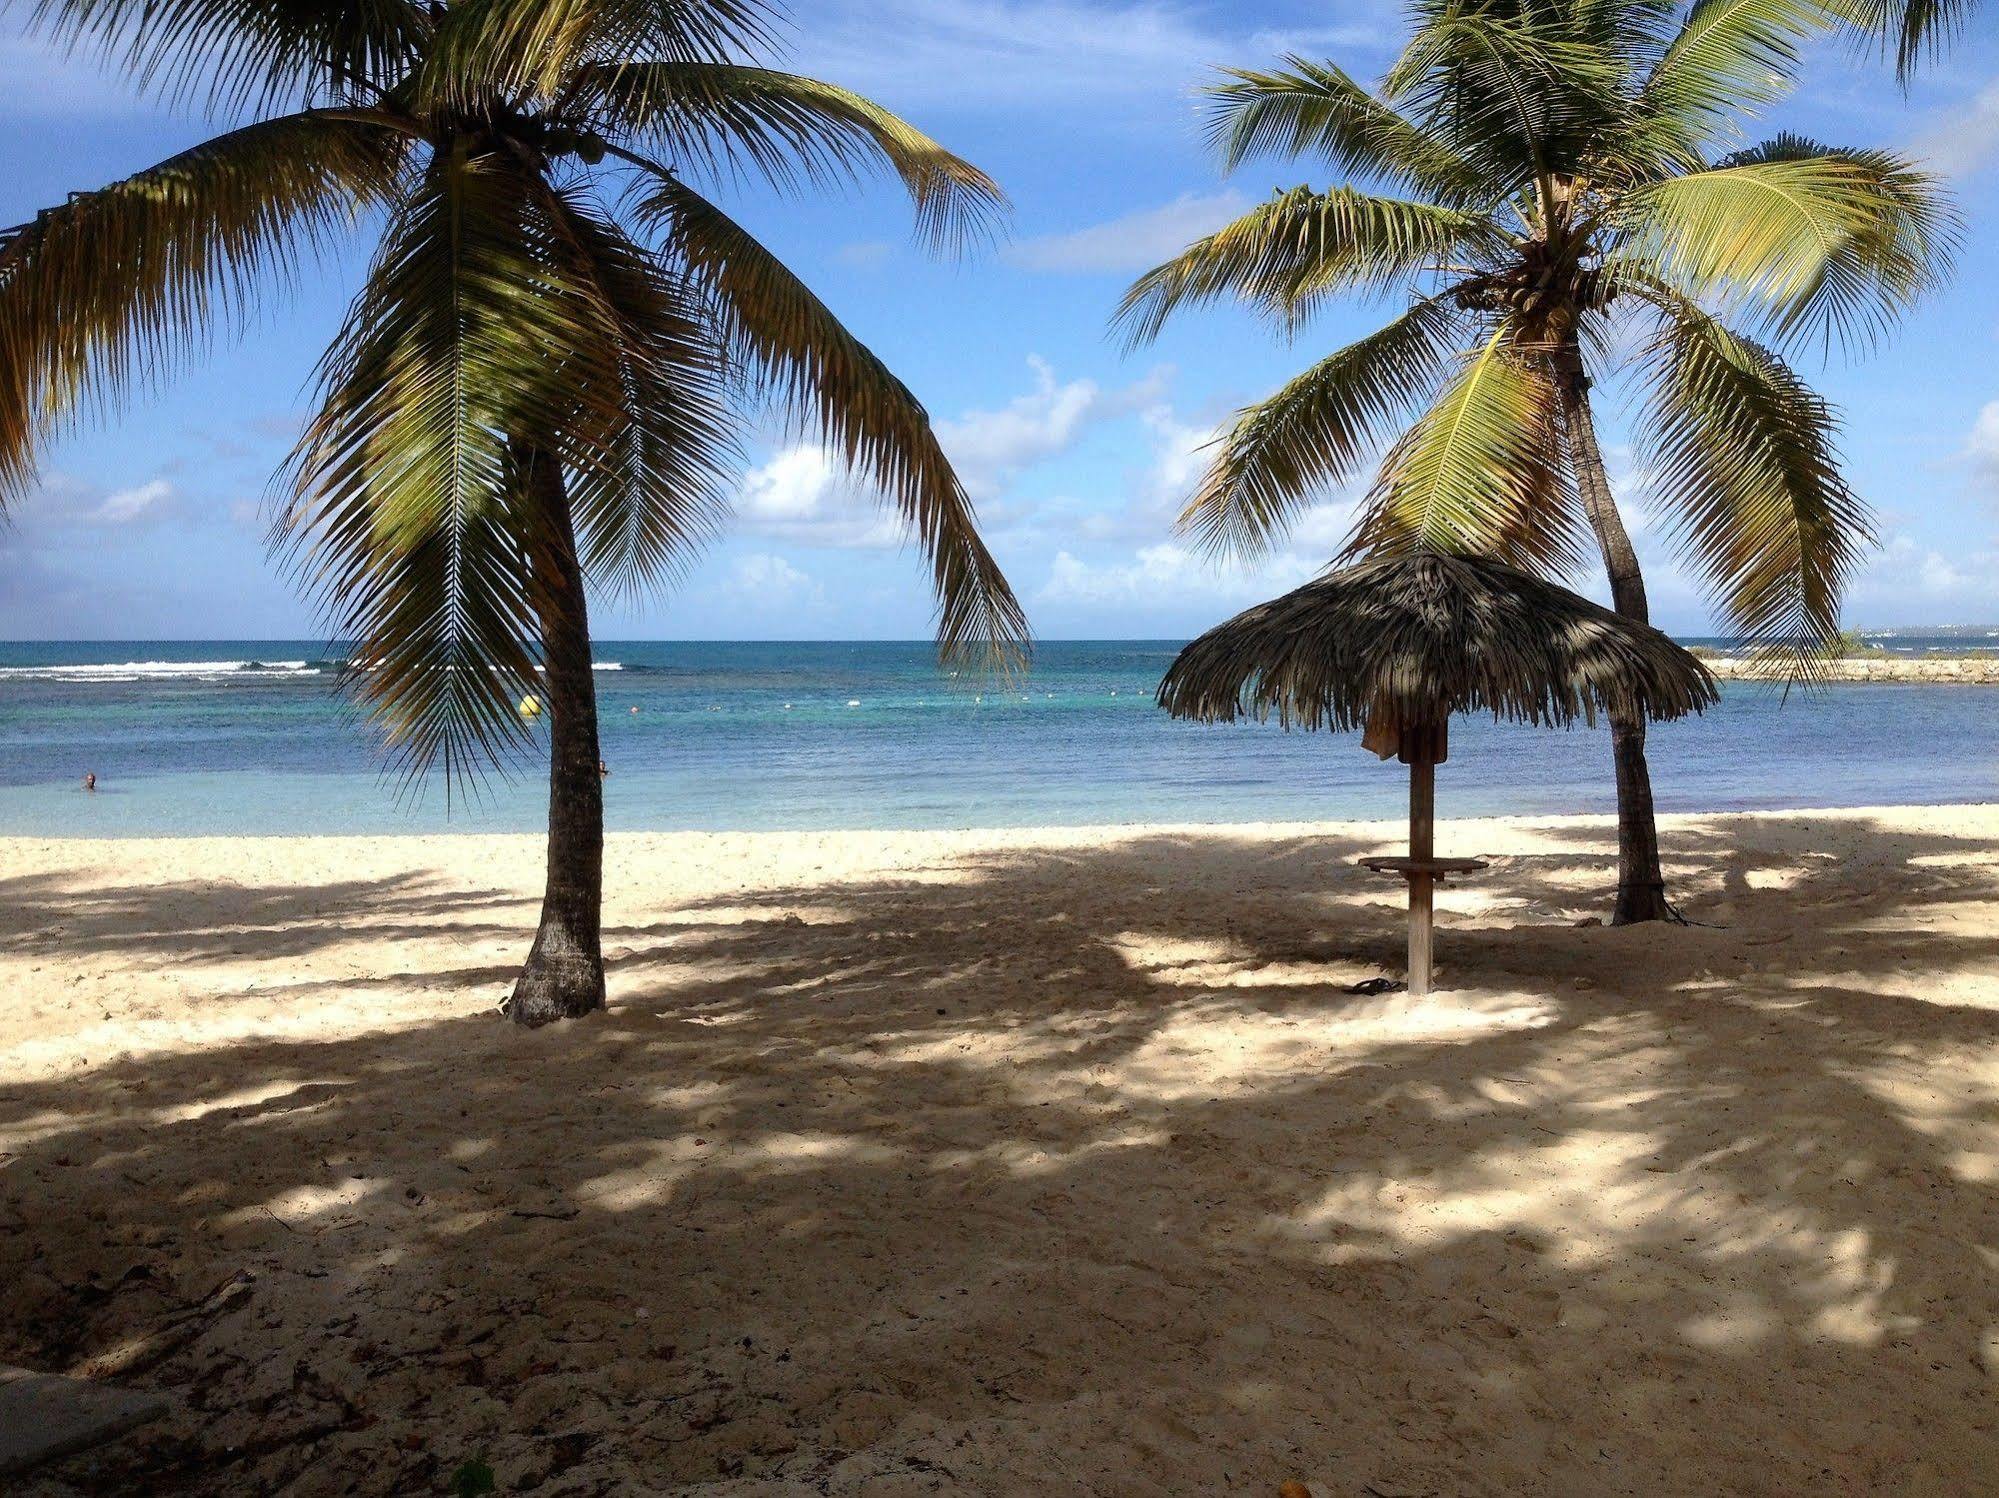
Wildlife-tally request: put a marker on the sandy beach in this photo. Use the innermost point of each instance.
(1007, 1163)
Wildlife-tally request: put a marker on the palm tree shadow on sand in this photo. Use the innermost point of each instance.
(1067, 1170)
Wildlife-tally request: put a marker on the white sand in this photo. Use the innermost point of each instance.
(1007, 1164)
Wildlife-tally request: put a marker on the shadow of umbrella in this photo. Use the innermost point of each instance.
(1395, 645)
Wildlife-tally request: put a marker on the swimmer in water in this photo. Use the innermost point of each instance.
(90, 780)
(603, 770)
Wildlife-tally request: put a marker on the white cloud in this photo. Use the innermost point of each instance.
(1982, 446)
(1965, 141)
(804, 493)
(1165, 572)
(124, 505)
(765, 579)
(991, 448)
(1136, 242)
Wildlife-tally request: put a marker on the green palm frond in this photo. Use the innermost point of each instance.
(1914, 31)
(229, 55)
(654, 444)
(1315, 109)
(1317, 431)
(540, 50)
(1727, 57)
(791, 130)
(1482, 471)
(1745, 467)
(1516, 94)
(1804, 239)
(838, 387)
(1285, 254)
(404, 515)
(116, 286)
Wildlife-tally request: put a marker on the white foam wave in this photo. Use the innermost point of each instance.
(158, 670)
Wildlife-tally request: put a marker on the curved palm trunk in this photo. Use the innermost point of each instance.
(1641, 886)
(564, 975)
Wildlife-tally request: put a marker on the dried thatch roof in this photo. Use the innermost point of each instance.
(1419, 637)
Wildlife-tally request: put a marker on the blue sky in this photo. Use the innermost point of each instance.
(147, 524)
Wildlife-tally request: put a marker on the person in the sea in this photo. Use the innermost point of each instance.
(603, 770)
(90, 780)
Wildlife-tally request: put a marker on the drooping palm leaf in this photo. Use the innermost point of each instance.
(1746, 470)
(230, 55)
(1914, 31)
(1804, 239)
(1286, 254)
(1317, 431)
(1482, 471)
(1727, 57)
(540, 50)
(825, 375)
(791, 130)
(1315, 109)
(117, 286)
(654, 442)
(403, 515)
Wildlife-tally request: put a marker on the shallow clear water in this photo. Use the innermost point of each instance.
(255, 737)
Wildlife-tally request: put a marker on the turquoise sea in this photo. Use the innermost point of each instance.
(256, 737)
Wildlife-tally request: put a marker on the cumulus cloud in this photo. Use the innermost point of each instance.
(1135, 242)
(763, 578)
(805, 494)
(991, 448)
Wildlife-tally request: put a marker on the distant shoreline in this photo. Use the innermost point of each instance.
(1981, 670)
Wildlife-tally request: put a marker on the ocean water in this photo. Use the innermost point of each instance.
(257, 737)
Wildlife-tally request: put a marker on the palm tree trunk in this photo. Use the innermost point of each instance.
(564, 975)
(1641, 885)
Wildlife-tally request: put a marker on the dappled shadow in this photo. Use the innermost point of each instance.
(1056, 1169)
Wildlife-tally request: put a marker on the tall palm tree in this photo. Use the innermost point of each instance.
(540, 381)
(1560, 187)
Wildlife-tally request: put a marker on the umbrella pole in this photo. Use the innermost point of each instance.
(1422, 849)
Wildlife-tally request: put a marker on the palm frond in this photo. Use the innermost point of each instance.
(404, 514)
(818, 370)
(1518, 93)
(792, 131)
(1314, 109)
(1317, 431)
(649, 456)
(1285, 254)
(1914, 31)
(115, 287)
(231, 55)
(1482, 471)
(541, 50)
(1805, 240)
(1745, 467)
(1728, 57)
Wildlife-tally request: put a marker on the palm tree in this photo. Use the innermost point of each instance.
(540, 382)
(1560, 186)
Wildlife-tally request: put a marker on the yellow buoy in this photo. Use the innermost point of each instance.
(530, 706)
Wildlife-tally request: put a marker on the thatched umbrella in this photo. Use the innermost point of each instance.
(1395, 645)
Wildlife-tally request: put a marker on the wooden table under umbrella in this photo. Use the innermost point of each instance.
(1395, 645)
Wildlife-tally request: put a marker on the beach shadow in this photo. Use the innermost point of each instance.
(1067, 1171)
